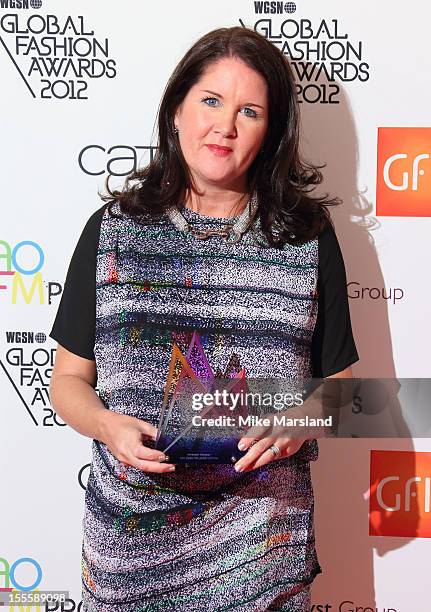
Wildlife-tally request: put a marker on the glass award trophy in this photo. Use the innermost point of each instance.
(197, 423)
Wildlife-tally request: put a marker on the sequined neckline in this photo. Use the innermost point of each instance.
(192, 215)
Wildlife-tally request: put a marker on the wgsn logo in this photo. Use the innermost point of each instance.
(400, 494)
(274, 7)
(403, 172)
(20, 4)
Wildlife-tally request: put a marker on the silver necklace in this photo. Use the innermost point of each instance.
(236, 229)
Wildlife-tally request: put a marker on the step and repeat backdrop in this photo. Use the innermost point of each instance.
(80, 86)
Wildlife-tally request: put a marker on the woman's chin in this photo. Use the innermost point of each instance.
(219, 179)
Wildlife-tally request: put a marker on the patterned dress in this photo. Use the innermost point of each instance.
(203, 538)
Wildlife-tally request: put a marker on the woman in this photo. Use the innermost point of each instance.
(220, 256)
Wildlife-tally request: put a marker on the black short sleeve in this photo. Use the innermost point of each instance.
(333, 346)
(75, 323)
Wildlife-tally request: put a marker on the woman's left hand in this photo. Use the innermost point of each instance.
(260, 453)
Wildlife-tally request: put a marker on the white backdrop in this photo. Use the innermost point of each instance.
(60, 137)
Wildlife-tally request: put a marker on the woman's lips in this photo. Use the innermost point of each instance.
(219, 151)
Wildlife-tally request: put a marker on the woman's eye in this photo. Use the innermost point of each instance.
(249, 112)
(210, 101)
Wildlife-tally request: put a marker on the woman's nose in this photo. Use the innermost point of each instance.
(226, 124)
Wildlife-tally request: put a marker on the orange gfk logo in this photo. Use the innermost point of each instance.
(400, 494)
(405, 183)
(404, 172)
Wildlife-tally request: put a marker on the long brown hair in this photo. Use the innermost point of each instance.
(278, 175)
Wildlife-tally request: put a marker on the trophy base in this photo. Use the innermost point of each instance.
(196, 450)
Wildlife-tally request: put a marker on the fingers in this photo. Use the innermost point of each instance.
(126, 444)
(266, 457)
(255, 450)
(258, 431)
(152, 466)
(147, 429)
(247, 442)
(151, 460)
(143, 458)
(148, 454)
(260, 453)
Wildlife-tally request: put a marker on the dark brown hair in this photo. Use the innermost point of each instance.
(281, 179)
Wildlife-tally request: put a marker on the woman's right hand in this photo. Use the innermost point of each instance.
(124, 436)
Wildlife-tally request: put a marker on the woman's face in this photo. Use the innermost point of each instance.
(222, 124)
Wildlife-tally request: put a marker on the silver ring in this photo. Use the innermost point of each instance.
(274, 448)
